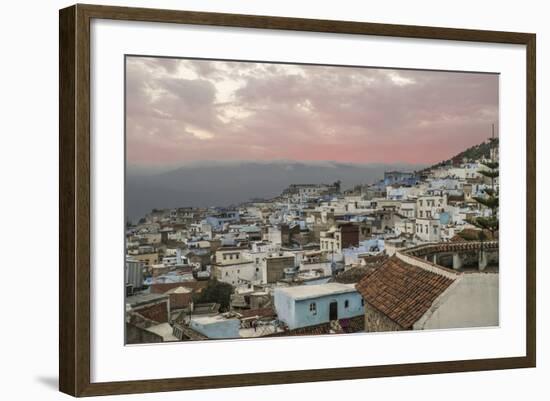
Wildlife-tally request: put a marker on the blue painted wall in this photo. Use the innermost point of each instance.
(296, 314)
(227, 328)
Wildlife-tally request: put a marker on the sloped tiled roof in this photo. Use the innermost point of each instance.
(352, 325)
(401, 291)
(451, 246)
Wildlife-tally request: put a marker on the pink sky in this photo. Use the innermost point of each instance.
(188, 111)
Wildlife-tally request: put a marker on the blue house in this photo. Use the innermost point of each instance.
(400, 177)
(309, 305)
(218, 220)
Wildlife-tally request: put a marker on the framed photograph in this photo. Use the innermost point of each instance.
(250, 200)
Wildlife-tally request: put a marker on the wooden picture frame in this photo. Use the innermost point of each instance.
(74, 199)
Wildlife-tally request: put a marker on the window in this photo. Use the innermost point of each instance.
(313, 308)
(346, 303)
(362, 302)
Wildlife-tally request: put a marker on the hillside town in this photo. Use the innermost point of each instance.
(416, 250)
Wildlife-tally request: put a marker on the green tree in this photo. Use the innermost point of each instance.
(216, 291)
(490, 200)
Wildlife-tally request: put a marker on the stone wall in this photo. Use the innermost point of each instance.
(137, 335)
(376, 321)
(180, 300)
(350, 235)
(157, 312)
(275, 268)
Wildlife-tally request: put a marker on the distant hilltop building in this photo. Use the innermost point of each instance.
(392, 179)
(302, 192)
(400, 177)
(218, 220)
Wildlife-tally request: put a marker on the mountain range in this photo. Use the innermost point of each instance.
(224, 184)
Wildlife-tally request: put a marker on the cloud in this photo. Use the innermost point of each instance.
(182, 111)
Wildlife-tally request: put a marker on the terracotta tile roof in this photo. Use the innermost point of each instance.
(430, 249)
(374, 259)
(401, 291)
(352, 325)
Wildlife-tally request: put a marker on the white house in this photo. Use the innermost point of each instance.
(428, 230)
(133, 273)
(405, 226)
(370, 247)
(273, 236)
(402, 192)
(324, 267)
(233, 268)
(408, 208)
(429, 207)
(466, 170)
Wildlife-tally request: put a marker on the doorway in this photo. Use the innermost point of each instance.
(333, 311)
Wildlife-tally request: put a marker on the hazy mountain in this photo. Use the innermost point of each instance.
(225, 184)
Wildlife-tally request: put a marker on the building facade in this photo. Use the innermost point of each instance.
(309, 305)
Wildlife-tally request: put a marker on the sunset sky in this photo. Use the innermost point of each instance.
(187, 111)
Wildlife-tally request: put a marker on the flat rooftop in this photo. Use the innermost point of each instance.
(164, 330)
(300, 292)
(204, 320)
(144, 298)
